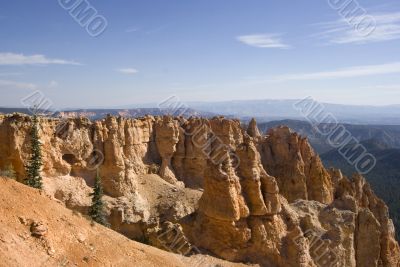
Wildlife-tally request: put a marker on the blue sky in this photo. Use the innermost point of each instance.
(209, 50)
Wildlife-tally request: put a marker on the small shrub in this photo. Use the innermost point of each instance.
(144, 240)
(153, 169)
(9, 172)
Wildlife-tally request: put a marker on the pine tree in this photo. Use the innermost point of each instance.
(34, 178)
(96, 211)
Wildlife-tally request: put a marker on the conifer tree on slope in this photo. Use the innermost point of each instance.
(34, 178)
(96, 211)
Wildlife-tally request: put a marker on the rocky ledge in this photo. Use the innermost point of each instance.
(228, 190)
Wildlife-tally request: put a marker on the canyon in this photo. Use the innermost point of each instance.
(227, 190)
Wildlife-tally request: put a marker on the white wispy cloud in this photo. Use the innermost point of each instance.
(148, 30)
(6, 84)
(341, 73)
(377, 27)
(132, 29)
(53, 84)
(350, 72)
(263, 40)
(10, 74)
(394, 87)
(21, 59)
(130, 71)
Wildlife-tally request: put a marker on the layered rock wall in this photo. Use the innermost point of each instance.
(265, 199)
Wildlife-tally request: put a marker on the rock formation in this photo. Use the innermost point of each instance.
(299, 171)
(231, 192)
(253, 130)
(167, 136)
(38, 231)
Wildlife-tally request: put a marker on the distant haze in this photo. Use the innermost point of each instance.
(262, 110)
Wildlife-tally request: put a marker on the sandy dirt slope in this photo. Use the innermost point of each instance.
(70, 239)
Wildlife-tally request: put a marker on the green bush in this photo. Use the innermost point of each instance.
(97, 209)
(8, 172)
(34, 178)
(153, 169)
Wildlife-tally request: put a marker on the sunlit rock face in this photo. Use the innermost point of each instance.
(299, 171)
(234, 192)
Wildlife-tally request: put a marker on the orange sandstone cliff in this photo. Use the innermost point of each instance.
(231, 191)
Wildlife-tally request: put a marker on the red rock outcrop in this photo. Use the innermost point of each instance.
(299, 171)
(260, 189)
(37, 231)
(261, 199)
(167, 136)
(252, 129)
(190, 159)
